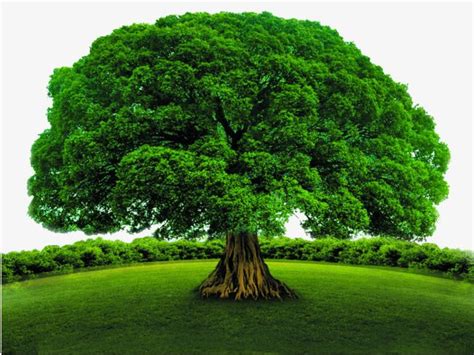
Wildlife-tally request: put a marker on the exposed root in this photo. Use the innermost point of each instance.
(241, 273)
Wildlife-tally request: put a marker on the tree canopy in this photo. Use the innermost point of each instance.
(203, 124)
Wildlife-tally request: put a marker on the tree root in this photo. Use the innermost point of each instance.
(241, 273)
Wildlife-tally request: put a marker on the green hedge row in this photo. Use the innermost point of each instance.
(372, 251)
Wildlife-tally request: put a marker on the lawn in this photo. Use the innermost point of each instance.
(153, 308)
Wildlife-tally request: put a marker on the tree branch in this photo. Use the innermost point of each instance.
(220, 116)
(233, 137)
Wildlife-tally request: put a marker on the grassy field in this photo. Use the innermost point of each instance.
(153, 308)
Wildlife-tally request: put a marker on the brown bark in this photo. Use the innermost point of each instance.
(242, 273)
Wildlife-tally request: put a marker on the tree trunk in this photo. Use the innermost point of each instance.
(242, 273)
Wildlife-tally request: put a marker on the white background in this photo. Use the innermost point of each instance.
(425, 45)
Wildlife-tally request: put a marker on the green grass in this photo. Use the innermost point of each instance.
(153, 308)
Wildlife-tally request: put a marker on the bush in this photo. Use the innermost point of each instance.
(92, 256)
(331, 249)
(371, 251)
(412, 256)
(390, 254)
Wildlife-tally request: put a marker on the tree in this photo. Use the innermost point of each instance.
(225, 125)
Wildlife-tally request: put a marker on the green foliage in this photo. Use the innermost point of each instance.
(373, 251)
(204, 124)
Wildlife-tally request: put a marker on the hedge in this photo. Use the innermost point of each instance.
(372, 251)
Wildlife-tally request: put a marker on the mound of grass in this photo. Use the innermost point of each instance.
(153, 308)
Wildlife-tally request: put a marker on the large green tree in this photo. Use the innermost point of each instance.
(225, 125)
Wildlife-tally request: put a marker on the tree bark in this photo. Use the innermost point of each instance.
(241, 273)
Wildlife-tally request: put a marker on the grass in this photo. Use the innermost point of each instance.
(153, 308)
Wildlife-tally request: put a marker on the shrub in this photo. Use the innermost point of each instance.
(390, 254)
(92, 256)
(331, 249)
(371, 251)
(412, 256)
(146, 248)
(67, 257)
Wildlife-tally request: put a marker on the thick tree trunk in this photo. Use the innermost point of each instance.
(242, 273)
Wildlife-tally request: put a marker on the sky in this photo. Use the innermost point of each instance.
(427, 46)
